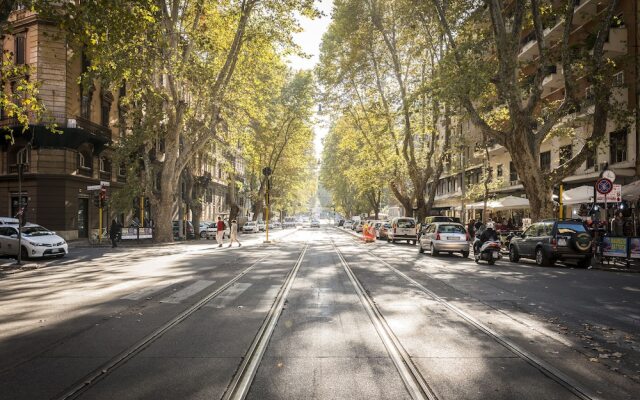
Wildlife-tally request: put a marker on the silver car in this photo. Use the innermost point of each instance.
(444, 236)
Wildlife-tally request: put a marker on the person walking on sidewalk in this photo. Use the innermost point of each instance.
(233, 235)
(220, 232)
(114, 232)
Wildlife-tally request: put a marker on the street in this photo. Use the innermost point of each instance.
(316, 314)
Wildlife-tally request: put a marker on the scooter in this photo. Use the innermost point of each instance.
(489, 252)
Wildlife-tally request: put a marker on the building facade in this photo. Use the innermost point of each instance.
(618, 151)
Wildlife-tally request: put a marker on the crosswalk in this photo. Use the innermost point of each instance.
(223, 300)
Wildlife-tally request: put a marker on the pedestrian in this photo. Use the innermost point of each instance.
(617, 225)
(471, 228)
(220, 232)
(114, 232)
(233, 234)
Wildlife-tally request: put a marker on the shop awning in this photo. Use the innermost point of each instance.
(581, 194)
(510, 203)
(631, 192)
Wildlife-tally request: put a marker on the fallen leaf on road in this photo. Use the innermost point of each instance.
(593, 359)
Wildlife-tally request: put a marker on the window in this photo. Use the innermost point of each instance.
(84, 162)
(566, 152)
(589, 94)
(513, 174)
(20, 50)
(499, 170)
(618, 79)
(122, 170)
(22, 156)
(545, 161)
(591, 159)
(618, 146)
(105, 110)
(105, 164)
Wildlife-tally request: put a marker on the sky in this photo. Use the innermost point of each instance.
(309, 40)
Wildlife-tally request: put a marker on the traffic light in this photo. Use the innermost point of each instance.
(96, 200)
(103, 197)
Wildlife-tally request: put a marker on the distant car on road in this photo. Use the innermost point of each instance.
(190, 231)
(381, 231)
(289, 222)
(402, 228)
(444, 236)
(552, 240)
(250, 227)
(36, 241)
(262, 226)
(347, 224)
(315, 223)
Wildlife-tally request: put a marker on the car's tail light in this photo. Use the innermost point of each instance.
(438, 236)
(554, 243)
(394, 229)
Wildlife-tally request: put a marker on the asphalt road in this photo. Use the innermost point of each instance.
(177, 322)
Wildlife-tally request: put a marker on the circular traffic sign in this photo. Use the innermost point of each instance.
(604, 186)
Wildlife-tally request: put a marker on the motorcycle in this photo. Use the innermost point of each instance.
(489, 252)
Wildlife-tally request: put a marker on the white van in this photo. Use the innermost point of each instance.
(402, 228)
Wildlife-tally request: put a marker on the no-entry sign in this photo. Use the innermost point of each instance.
(604, 186)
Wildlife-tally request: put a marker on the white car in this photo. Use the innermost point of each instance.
(262, 226)
(250, 227)
(212, 231)
(402, 228)
(347, 224)
(37, 241)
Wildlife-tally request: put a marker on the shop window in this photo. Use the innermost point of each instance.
(545, 161)
(618, 146)
(566, 153)
(499, 171)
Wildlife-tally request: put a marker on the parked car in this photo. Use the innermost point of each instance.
(204, 225)
(190, 231)
(9, 221)
(551, 240)
(212, 231)
(402, 228)
(315, 223)
(36, 241)
(347, 224)
(289, 222)
(341, 222)
(262, 226)
(381, 231)
(250, 227)
(444, 236)
(359, 226)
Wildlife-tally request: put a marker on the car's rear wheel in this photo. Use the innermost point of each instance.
(465, 254)
(491, 261)
(24, 253)
(541, 258)
(203, 235)
(420, 249)
(433, 250)
(513, 254)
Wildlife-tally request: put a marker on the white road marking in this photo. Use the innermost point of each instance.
(187, 292)
(229, 295)
(146, 292)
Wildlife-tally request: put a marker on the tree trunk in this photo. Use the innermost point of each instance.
(537, 188)
(163, 231)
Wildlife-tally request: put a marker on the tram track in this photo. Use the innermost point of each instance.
(92, 378)
(553, 373)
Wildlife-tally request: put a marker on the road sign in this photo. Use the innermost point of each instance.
(614, 196)
(94, 187)
(609, 174)
(105, 183)
(604, 186)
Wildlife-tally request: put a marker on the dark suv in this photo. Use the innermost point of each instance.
(552, 240)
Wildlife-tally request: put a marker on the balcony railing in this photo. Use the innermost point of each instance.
(63, 121)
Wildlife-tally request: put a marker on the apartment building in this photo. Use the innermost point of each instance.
(617, 152)
(58, 167)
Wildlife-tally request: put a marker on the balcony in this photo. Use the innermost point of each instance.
(555, 32)
(553, 81)
(584, 11)
(91, 127)
(529, 51)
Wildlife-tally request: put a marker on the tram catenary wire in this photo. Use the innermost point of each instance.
(545, 368)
